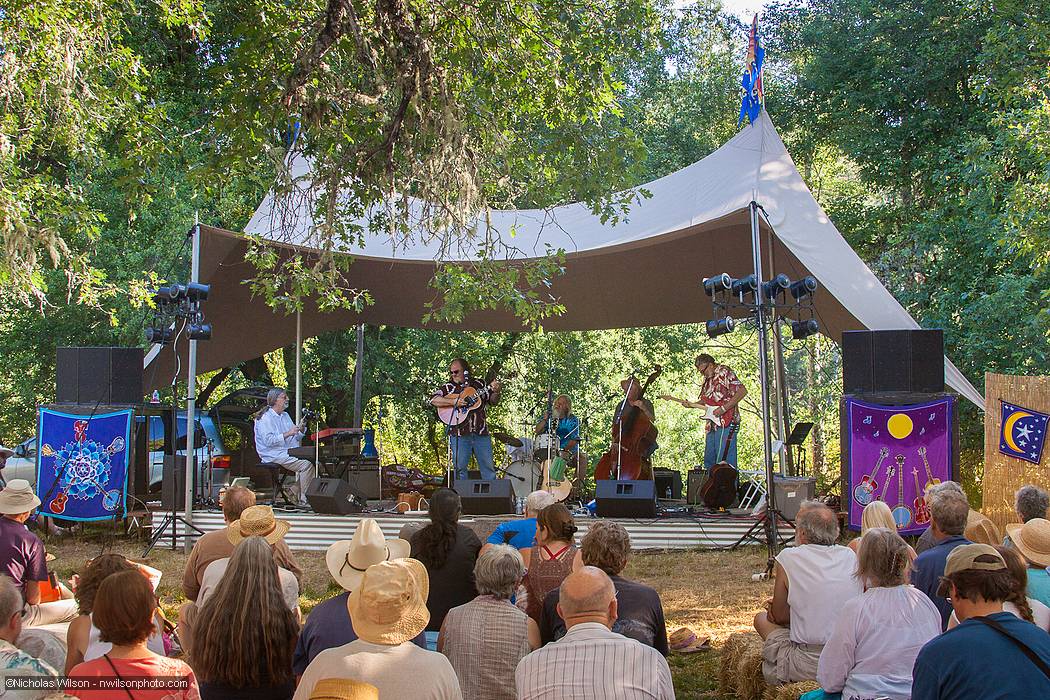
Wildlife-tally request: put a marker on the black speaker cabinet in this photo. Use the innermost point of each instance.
(334, 497)
(694, 480)
(173, 484)
(668, 483)
(485, 497)
(364, 482)
(98, 375)
(625, 499)
(893, 361)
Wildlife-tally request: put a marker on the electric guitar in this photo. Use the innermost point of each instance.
(864, 491)
(890, 471)
(931, 480)
(719, 421)
(901, 512)
(469, 399)
(922, 511)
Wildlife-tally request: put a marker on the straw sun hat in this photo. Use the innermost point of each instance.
(17, 497)
(390, 605)
(1033, 539)
(258, 521)
(343, 689)
(685, 641)
(347, 560)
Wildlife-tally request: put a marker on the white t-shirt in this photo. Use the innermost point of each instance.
(1040, 614)
(399, 672)
(820, 581)
(217, 570)
(874, 643)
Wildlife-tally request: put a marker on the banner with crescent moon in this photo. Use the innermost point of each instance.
(1023, 432)
(82, 467)
(895, 453)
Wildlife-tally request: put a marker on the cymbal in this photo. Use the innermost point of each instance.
(506, 438)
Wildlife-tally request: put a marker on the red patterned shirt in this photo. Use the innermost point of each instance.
(720, 388)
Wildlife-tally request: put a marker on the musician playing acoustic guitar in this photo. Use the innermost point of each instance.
(719, 396)
(471, 437)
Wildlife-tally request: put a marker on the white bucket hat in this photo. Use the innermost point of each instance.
(17, 497)
(347, 560)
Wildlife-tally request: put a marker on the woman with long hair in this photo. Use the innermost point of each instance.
(1018, 603)
(124, 610)
(554, 557)
(449, 551)
(244, 635)
(877, 514)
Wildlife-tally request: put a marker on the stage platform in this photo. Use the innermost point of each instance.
(311, 531)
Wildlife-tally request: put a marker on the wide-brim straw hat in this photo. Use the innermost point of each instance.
(390, 605)
(347, 560)
(258, 521)
(343, 689)
(1032, 539)
(685, 641)
(17, 497)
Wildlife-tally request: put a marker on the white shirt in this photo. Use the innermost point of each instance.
(1040, 614)
(820, 581)
(399, 672)
(217, 570)
(270, 442)
(874, 643)
(591, 662)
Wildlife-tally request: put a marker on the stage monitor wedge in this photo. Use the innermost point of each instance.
(485, 497)
(334, 497)
(625, 499)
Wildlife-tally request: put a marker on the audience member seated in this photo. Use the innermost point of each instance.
(388, 609)
(813, 581)
(981, 529)
(82, 638)
(1030, 502)
(485, 639)
(449, 551)
(244, 634)
(124, 611)
(877, 514)
(878, 634)
(328, 624)
(1018, 603)
(217, 544)
(640, 612)
(521, 534)
(591, 662)
(13, 661)
(22, 557)
(552, 559)
(948, 514)
(983, 657)
(1032, 540)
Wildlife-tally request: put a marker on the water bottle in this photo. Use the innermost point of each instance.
(667, 495)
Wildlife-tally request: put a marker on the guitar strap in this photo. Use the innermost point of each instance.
(1025, 649)
(728, 439)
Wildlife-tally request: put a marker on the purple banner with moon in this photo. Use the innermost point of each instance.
(895, 452)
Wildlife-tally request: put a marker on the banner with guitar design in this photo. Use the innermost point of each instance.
(895, 452)
(82, 467)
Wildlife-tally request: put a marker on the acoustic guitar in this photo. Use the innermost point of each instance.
(470, 399)
(555, 481)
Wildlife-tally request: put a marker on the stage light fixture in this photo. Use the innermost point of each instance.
(197, 292)
(804, 329)
(775, 286)
(200, 331)
(159, 335)
(744, 285)
(718, 283)
(804, 287)
(720, 326)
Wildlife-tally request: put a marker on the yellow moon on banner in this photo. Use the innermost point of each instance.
(1008, 429)
(899, 425)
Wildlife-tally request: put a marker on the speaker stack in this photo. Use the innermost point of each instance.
(98, 376)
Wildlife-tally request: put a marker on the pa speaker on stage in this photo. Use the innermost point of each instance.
(173, 483)
(876, 362)
(334, 497)
(104, 376)
(625, 499)
(485, 497)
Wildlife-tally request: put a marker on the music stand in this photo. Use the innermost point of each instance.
(797, 438)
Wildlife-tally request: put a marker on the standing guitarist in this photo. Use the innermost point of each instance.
(721, 391)
(471, 437)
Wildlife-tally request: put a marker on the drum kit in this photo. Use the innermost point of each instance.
(524, 459)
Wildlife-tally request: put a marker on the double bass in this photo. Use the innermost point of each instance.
(633, 436)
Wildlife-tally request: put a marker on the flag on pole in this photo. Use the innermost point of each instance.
(753, 99)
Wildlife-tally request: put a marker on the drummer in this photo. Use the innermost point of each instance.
(565, 425)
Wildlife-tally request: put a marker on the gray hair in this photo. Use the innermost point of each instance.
(882, 559)
(948, 507)
(271, 398)
(498, 571)
(1031, 502)
(10, 599)
(538, 500)
(817, 523)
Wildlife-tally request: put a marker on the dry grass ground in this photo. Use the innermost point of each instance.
(710, 592)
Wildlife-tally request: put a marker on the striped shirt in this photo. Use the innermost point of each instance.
(484, 640)
(591, 662)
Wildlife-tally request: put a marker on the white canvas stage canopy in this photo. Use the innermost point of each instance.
(643, 271)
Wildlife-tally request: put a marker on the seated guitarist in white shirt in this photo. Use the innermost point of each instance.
(721, 392)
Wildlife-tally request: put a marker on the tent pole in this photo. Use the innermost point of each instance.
(772, 531)
(781, 404)
(359, 364)
(298, 366)
(191, 394)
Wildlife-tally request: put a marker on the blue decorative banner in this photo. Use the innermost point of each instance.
(1022, 432)
(82, 468)
(895, 453)
(751, 82)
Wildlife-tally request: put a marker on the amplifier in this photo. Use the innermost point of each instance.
(790, 491)
(668, 483)
(365, 481)
(694, 481)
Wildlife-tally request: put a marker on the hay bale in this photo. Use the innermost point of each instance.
(791, 691)
(750, 684)
(732, 649)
